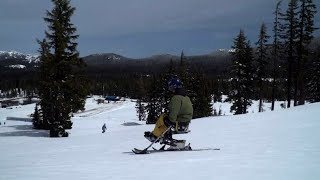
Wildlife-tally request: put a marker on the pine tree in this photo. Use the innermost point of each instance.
(36, 120)
(242, 75)
(140, 107)
(249, 75)
(276, 51)
(216, 86)
(154, 105)
(186, 77)
(62, 90)
(202, 105)
(184, 72)
(305, 35)
(262, 60)
(45, 85)
(290, 38)
(314, 81)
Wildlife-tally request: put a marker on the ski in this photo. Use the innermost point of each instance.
(200, 149)
(137, 151)
(185, 148)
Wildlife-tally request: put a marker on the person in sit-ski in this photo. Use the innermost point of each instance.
(179, 116)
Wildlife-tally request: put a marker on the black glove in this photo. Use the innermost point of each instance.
(167, 121)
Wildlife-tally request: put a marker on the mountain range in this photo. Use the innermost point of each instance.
(14, 59)
(215, 61)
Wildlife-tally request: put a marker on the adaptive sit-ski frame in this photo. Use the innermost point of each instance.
(137, 151)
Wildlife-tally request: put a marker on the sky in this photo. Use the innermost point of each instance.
(141, 28)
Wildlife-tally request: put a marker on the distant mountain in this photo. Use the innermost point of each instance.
(213, 62)
(104, 58)
(17, 55)
(14, 59)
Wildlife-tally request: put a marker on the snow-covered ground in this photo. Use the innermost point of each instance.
(280, 145)
(224, 107)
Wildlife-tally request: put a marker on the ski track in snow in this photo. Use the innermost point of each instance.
(95, 111)
(280, 145)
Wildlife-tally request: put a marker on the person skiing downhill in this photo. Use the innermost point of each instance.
(179, 116)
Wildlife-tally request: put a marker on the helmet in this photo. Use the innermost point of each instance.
(174, 83)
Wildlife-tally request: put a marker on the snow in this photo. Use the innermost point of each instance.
(17, 66)
(254, 108)
(280, 145)
(14, 54)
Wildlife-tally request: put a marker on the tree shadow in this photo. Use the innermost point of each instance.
(25, 130)
(131, 124)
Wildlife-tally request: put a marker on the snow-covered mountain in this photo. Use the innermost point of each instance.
(104, 58)
(17, 55)
(279, 145)
(14, 59)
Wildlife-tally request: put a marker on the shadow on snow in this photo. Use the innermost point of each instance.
(24, 130)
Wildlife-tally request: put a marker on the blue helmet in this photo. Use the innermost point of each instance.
(174, 83)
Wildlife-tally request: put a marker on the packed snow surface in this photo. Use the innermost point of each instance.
(279, 145)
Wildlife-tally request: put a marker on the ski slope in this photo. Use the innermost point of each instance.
(280, 145)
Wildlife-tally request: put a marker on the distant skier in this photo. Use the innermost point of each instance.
(104, 128)
(179, 116)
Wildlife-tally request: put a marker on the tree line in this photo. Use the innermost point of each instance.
(294, 64)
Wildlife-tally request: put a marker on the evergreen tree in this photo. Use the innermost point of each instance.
(202, 105)
(242, 75)
(62, 90)
(140, 110)
(249, 76)
(36, 120)
(305, 35)
(290, 38)
(276, 51)
(186, 77)
(314, 82)
(154, 105)
(184, 73)
(262, 60)
(45, 86)
(140, 107)
(216, 86)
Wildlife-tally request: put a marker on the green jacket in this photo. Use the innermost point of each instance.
(180, 109)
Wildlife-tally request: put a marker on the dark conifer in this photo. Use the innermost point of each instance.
(202, 101)
(290, 38)
(154, 105)
(314, 80)
(305, 35)
(262, 61)
(36, 120)
(46, 74)
(276, 51)
(141, 94)
(184, 73)
(62, 90)
(242, 75)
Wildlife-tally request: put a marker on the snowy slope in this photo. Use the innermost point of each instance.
(272, 145)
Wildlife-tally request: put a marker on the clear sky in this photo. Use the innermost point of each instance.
(140, 28)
